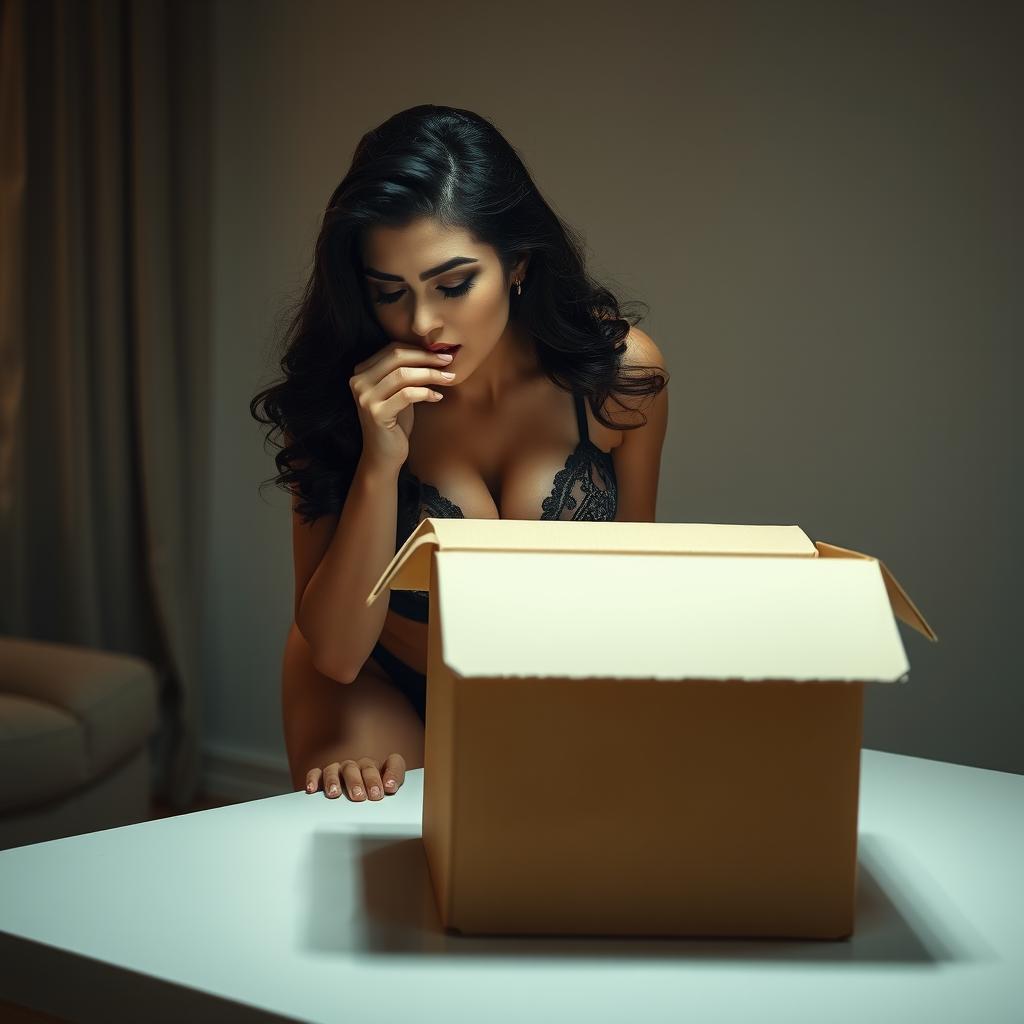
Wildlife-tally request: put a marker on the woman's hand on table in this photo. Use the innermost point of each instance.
(361, 777)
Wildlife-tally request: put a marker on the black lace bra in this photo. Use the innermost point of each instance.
(584, 488)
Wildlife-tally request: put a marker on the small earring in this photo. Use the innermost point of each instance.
(519, 287)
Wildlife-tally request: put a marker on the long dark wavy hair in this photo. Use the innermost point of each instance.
(455, 166)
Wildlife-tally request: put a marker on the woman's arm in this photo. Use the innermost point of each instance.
(637, 460)
(325, 724)
(337, 562)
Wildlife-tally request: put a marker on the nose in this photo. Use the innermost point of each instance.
(425, 324)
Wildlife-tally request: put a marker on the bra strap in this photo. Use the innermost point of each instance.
(581, 418)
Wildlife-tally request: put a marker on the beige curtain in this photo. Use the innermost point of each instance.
(104, 194)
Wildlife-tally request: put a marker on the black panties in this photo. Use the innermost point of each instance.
(412, 683)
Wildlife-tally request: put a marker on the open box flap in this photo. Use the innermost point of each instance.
(903, 607)
(563, 614)
(410, 567)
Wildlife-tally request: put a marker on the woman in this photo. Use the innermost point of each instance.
(436, 239)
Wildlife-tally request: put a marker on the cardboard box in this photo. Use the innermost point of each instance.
(646, 728)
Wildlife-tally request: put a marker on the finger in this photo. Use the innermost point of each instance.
(353, 780)
(312, 780)
(389, 409)
(410, 355)
(411, 376)
(395, 354)
(371, 778)
(332, 784)
(394, 773)
(401, 388)
(375, 357)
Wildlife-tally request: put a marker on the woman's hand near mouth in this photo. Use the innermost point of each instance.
(385, 388)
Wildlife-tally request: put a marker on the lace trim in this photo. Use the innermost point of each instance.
(584, 486)
(438, 506)
(594, 499)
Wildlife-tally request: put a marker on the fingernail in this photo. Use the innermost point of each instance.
(310, 787)
(358, 791)
(333, 791)
(391, 784)
(446, 356)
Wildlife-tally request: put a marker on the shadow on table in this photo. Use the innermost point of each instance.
(902, 916)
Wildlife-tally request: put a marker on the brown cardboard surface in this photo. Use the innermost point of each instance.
(903, 607)
(648, 798)
(708, 809)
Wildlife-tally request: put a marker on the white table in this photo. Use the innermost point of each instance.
(302, 908)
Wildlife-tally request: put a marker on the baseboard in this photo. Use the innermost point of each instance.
(235, 773)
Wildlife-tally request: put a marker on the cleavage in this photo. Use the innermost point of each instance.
(488, 452)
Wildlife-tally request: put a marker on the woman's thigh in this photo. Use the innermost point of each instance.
(326, 721)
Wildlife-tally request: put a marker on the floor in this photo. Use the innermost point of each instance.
(12, 1014)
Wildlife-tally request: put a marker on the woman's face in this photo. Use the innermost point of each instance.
(465, 305)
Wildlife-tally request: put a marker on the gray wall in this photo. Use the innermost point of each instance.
(822, 209)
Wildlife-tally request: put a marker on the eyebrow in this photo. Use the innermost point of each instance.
(455, 261)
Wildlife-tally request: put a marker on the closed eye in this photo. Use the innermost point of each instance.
(386, 298)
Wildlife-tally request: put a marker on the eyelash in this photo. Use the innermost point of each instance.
(386, 298)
